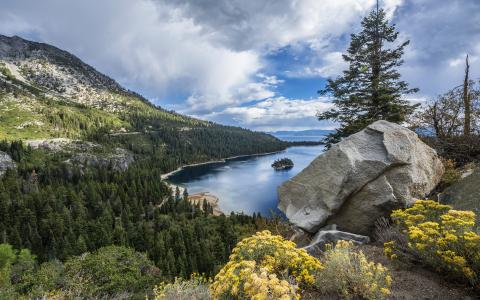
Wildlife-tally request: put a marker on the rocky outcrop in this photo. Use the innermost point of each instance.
(6, 162)
(120, 159)
(464, 194)
(360, 179)
(85, 153)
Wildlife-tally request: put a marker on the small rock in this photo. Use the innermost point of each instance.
(6, 162)
(330, 234)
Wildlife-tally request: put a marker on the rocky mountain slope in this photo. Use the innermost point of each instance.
(49, 93)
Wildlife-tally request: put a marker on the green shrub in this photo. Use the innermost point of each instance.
(197, 288)
(48, 277)
(108, 272)
(451, 174)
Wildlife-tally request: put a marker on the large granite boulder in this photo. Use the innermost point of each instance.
(362, 178)
(6, 162)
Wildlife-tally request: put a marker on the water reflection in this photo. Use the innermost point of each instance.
(247, 184)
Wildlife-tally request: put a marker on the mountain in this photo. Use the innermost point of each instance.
(47, 93)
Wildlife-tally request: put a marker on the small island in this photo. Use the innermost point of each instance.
(282, 164)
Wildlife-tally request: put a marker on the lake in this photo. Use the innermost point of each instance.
(246, 184)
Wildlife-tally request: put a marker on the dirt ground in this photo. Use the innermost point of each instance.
(409, 282)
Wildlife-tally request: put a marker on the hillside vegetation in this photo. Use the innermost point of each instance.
(48, 93)
(84, 213)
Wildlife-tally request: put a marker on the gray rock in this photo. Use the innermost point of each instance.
(120, 159)
(360, 179)
(330, 234)
(464, 194)
(300, 237)
(6, 162)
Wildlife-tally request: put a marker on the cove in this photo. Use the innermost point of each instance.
(245, 184)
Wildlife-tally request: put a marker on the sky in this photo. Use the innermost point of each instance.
(257, 64)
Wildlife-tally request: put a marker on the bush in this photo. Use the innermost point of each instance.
(350, 274)
(451, 174)
(108, 272)
(442, 238)
(48, 277)
(460, 149)
(265, 266)
(197, 288)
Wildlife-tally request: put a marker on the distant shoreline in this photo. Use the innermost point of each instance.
(223, 160)
(290, 144)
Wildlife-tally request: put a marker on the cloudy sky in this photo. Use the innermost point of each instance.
(252, 63)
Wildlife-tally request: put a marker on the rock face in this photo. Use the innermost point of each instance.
(360, 179)
(464, 194)
(6, 162)
(120, 159)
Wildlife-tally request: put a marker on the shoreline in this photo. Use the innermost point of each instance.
(199, 198)
(223, 160)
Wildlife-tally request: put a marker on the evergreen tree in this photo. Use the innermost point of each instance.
(371, 88)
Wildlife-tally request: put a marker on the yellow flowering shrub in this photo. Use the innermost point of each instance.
(350, 274)
(441, 237)
(265, 266)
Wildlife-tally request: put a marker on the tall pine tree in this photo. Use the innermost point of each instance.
(371, 88)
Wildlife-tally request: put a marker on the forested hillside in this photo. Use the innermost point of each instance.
(48, 93)
(85, 173)
(59, 210)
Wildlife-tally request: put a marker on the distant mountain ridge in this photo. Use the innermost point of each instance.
(310, 132)
(301, 135)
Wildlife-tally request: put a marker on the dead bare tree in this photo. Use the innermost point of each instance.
(466, 101)
(444, 115)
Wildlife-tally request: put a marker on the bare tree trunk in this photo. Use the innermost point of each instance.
(466, 101)
(436, 127)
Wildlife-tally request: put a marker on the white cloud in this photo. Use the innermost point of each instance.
(143, 44)
(209, 51)
(330, 65)
(209, 55)
(253, 24)
(278, 113)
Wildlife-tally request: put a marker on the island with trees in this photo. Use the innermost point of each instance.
(282, 164)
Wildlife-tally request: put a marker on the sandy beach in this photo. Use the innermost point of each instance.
(199, 198)
(213, 200)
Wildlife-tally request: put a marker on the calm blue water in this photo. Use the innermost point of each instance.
(247, 184)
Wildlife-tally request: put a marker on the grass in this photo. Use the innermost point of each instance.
(58, 119)
(12, 115)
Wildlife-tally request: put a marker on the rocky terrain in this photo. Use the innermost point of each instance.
(58, 73)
